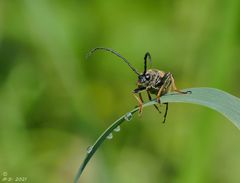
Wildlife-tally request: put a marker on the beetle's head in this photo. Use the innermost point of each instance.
(144, 79)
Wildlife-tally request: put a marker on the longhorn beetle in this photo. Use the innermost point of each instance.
(153, 81)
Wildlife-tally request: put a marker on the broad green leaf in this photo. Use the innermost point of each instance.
(223, 102)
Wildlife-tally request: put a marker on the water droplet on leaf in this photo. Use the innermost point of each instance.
(110, 136)
(89, 149)
(128, 116)
(117, 129)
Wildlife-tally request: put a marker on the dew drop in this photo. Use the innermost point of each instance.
(110, 136)
(117, 129)
(89, 149)
(128, 116)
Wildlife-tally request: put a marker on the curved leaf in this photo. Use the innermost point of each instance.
(223, 102)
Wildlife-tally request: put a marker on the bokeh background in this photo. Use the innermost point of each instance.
(54, 103)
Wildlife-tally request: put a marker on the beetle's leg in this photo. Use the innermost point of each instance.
(165, 114)
(139, 89)
(140, 103)
(150, 98)
(166, 82)
(175, 88)
(159, 94)
(139, 99)
(140, 96)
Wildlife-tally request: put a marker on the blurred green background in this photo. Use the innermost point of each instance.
(54, 103)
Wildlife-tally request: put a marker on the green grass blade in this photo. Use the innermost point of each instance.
(100, 140)
(223, 102)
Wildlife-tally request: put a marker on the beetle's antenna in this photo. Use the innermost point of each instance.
(115, 53)
(147, 55)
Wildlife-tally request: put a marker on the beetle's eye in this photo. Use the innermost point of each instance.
(147, 76)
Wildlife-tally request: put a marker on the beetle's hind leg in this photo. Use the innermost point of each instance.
(150, 98)
(174, 88)
(166, 82)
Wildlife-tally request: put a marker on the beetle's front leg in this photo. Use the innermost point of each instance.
(140, 102)
(139, 99)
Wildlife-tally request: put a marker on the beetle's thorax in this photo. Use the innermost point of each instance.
(151, 78)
